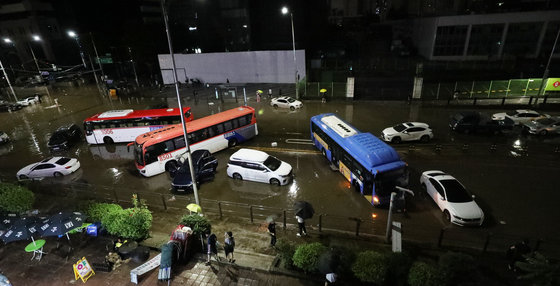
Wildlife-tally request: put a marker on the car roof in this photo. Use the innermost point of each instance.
(439, 175)
(416, 124)
(525, 111)
(249, 155)
(283, 97)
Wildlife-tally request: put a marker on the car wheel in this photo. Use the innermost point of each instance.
(446, 216)
(108, 140)
(292, 108)
(396, 140)
(425, 138)
(23, 177)
(236, 176)
(275, 182)
(57, 174)
(275, 106)
(543, 132)
(232, 143)
(171, 166)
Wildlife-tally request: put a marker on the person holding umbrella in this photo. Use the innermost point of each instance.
(272, 231)
(303, 210)
(301, 225)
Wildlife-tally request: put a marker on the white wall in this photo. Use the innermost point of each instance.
(238, 67)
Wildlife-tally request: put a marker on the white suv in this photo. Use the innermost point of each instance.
(258, 166)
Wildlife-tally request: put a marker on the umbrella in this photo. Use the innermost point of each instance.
(328, 262)
(322, 90)
(259, 91)
(194, 208)
(271, 218)
(21, 229)
(304, 209)
(61, 223)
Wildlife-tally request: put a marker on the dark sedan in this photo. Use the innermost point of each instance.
(204, 165)
(64, 137)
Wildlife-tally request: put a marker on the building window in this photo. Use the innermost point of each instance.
(450, 40)
(485, 40)
(522, 38)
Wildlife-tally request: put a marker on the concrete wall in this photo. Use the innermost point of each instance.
(238, 67)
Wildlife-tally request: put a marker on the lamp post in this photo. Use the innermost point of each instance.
(133, 67)
(97, 56)
(73, 34)
(36, 39)
(6, 40)
(286, 11)
(183, 123)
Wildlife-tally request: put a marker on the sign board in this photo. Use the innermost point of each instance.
(83, 270)
(105, 60)
(396, 234)
(552, 84)
(350, 87)
(417, 88)
(149, 265)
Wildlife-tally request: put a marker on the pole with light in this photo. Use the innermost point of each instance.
(133, 67)
(183, 122)
(97, 56)
(73, 34)
(545, 74)
(286, 11)
(36, 39)
(8, 41)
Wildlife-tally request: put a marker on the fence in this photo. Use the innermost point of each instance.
(334, 90)
(482, 89)
(448, 237)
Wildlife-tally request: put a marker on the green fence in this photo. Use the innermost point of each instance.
(482, 89)
(333, 90)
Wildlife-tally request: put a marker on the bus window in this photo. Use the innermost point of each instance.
(235, 123)
(227, 126)
(211, 131)
(193, 138)
(242, 120)
(169, 146)
(220, 128)
(179, 142)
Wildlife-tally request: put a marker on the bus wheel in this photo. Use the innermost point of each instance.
(236, 176)
(275, 182)
(232, 143)
(108, 140)
(171, 166)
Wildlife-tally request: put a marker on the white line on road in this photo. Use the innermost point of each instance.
(299, 141)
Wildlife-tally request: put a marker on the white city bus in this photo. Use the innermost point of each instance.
(160, 150)
(125, 125)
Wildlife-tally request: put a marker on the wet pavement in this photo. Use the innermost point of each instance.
(512, 175)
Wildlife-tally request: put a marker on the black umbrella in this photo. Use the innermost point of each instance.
(21, 229)
(304, 209)
(328, 262)
(61, 223)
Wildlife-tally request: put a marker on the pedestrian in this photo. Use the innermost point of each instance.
(258, 96)
(229, 246)
(269, 93)
(195, 95)
(212, 246)
(517, 252)
(330, 278)
(301, 225)
(227, 80)
(272, 231)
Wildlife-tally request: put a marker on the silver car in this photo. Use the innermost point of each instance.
(543, 126)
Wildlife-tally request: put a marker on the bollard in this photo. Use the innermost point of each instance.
(486, 242)
(358, 221)
(251, 213)
(474, 101)
(284, 219)
(440, 239)
(220, 209)
(530, 100)
(493, 147)
(116, 197)
(503, 101)
(320, 222)
(438, 148)
(448, 101)
(557, 149)
(411, 148)
(544, 99)
(465, 147)
(164, 203)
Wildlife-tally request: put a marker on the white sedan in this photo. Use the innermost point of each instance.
(519, 116)
(408, 131)
(286, 102)
(28, 100)
(50, 167)
(4, 137)
(457, 205)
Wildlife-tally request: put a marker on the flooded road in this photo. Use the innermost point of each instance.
(512, 175)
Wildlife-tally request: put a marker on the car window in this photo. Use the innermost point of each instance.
(455, 192)
(281, 100)
(290, 100)
(511, 113)
(272, 163)
(399, 128)
(437, 186)
(415, 129)
(62, 161)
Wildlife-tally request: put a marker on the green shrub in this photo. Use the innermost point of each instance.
(370, 266)
(345, 259)
(97, 211)
(132, 223)
(199, 224)
(307, 255)
(15, 199)
(286, 250)
(456, 267)
(423, 274)
(398, 267)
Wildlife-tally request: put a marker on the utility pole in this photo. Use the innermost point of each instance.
(133, 67)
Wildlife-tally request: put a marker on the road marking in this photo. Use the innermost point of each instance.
(285, 150)
(299, 141)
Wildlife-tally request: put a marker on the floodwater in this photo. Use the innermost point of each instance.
(512, 175)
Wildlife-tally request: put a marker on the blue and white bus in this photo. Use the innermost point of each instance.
(369, 164)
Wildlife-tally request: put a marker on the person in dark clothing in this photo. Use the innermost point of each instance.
(516, 252)
(229, 246)
(212, 246)
(272, 232)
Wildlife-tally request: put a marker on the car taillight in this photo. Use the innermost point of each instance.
(68, 167)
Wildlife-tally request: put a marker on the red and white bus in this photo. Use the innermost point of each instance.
(125, 125)
(160, 150)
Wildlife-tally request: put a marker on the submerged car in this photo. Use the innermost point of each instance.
(29, 100)
(457, 205)
(4, 137)
(64, 137)
(543, 126)
(286, 102)
(474, 121)
(408, 131)
(50, 167)
(519, 116)
(258, 166)
(204, 165)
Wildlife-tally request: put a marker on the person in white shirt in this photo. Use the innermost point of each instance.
(301, 225)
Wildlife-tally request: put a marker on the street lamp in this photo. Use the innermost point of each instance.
(284, 12)
(8, 41)
(73, 34)
(36, 39)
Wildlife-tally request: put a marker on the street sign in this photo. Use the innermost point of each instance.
(105, 60)
(396, 237)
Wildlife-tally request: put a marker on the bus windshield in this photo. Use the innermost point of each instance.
(138, 154)
(272, 163)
